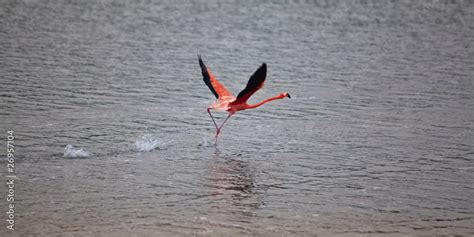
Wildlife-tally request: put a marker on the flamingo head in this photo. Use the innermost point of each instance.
(285, 95)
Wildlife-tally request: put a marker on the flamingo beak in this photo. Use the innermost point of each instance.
(288, 95)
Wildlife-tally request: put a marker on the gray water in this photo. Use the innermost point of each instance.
(377, 138)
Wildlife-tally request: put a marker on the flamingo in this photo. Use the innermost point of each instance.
(227, 102)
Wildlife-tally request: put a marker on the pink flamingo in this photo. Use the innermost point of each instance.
(227, 102)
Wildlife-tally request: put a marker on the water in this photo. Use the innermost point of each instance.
(376, 139)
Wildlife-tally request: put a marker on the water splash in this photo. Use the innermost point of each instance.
(206, 143)
(71, 152)
(147, 142)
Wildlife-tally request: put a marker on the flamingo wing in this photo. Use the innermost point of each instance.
(255, 83)
(216, 88)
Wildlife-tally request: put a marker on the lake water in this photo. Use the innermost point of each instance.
(112, 138)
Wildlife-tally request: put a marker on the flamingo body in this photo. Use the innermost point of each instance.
(223, 104)
(229, 103)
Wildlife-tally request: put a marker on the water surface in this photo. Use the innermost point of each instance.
(377, 138)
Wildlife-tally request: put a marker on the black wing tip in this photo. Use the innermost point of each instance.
(201, 64)
(255, 81)
(263, 69)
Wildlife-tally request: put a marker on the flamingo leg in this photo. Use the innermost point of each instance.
(219, 129)
(212, 117)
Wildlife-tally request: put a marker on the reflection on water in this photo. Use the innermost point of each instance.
(232, 182)
(234, 196)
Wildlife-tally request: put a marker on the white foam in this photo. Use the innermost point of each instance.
(147, 142)
(71, 152)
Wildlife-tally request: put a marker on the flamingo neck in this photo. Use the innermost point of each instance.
(280, 96)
